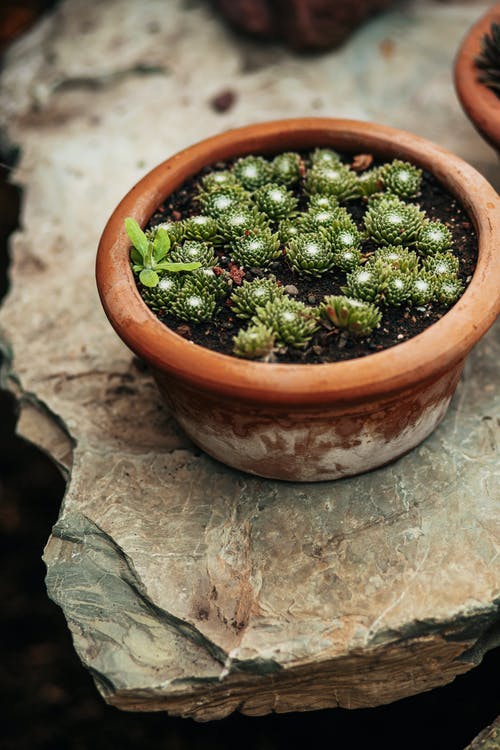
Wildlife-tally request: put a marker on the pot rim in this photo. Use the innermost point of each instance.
(422, 358)
(481, 105)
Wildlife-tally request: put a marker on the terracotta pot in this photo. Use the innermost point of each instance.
(306, 422)
(481, 105)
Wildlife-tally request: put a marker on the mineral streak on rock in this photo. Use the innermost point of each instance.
(187, 586)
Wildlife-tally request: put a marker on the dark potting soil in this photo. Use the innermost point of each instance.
(398, 323)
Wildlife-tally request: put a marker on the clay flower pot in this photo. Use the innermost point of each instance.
(306, 422)
(481, 105)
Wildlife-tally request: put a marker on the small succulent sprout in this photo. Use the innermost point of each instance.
(423, 288)
(255, 250)
(163, 294)
(352, 315)
(149, 256)
(246, 298)
(369, 182)
(289, 229)
(293, 322)
(174, 229)
(401, 178)
(206, 279)
(433, 237)
(362, 283)
(393, 223)
(396, 257)
(242, 220)
(396, 289)
(200, 227)
(324, 157)
(252, 171)
(347, 259)
(448, 290)
(275, 201)
(194, 305)
(218, 180)
(442, 264)
(384, 199)
(337, 180)
(310, 254)
(322, 201)
(219, 203)
(344, 236)
(285, 168)
(255, 342)
(321, 218)
(193, 250)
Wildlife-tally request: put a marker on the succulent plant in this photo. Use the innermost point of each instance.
(401, 178)
(321, 218)
(442, 264)
(174, 229)
(253, 294)
(310, 254)
(293, 322)
(275, 201)
(163, 294)
(396, 257)
(448, 290)
(286, 168)
(194, 305)
(205, 279)
(317, 200)
(255, 250)
(149, 256)
(344, 235)
(379, 283)
(192, 250)
(288, 229)
(352, 315)
(337, 180)
(369, 182)
(433, 237)
(218, 180)
(255, 342)
(200, 227)
(219, 203)
(347, 259)
(252, 171)
(488, 61)
(393, 223)
(242, 220)
(423, 288)
(325, 157)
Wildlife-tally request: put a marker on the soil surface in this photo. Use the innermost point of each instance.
(398, 323)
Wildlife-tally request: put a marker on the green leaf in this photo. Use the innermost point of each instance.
(161, 244)
(137, 267)
(136, 256)
(176, 267)
(136, 236)
(148, 277)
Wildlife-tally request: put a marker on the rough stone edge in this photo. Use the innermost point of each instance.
(488, 739)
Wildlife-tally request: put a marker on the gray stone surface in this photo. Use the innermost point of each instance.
(186, 585)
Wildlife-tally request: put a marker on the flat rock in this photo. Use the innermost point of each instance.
(187, 586)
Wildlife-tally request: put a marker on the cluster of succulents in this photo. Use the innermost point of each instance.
(290, 212)
(488, 61)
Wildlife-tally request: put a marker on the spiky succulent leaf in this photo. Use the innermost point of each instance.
(255, 342)
(442, 264)
(194, 251)
(194, 305)
(285, 168)
(275, 201)
(391, 223)
(217, 180)
(202, 228)
(242, 220)
(337, 180)
(252, 171)
(219, 203)
(369, 182)
(310, 254)
(352, 315)
(324, 157)
(293, 322)
(401, 178)
(163, 294)
(246, 298)
(255, 250)
(433, 237)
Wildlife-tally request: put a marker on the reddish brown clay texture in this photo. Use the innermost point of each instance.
(481, 105)
(306, 422)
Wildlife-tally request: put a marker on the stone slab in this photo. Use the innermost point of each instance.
(187, 586)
